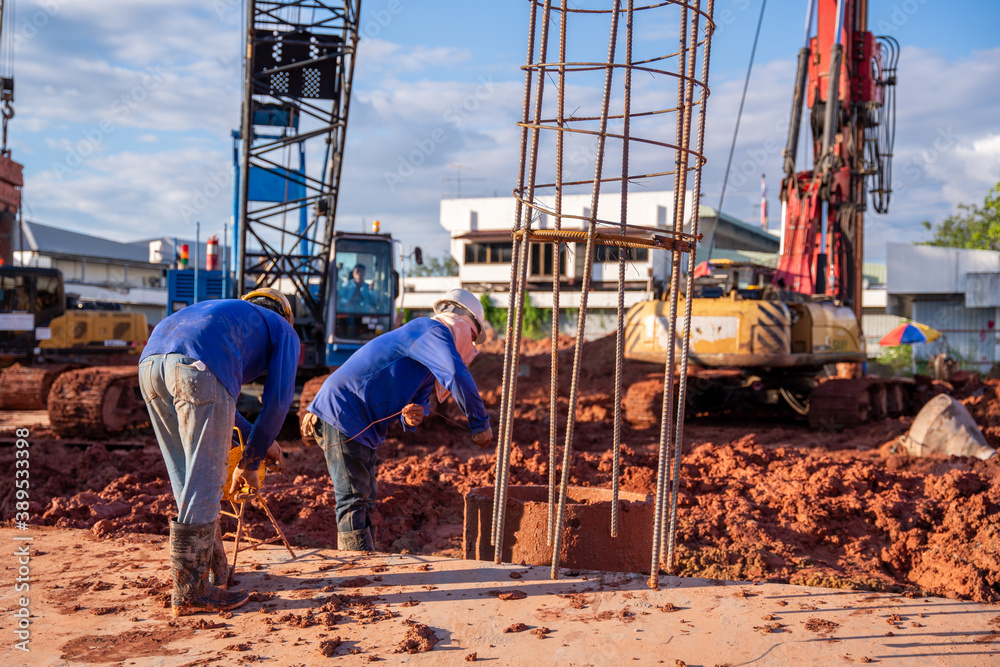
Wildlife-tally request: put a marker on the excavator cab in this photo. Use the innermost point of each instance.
(720, 278)
(363, 290)
(30, 298)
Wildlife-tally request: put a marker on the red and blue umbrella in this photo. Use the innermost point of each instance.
(909, 332)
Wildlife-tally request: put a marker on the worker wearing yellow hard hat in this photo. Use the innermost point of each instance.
(190, 374)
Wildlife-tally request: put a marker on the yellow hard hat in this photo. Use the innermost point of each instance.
(275, 295)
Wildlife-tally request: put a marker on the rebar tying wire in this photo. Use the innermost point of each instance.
(522, 277)
(585, 289)
(686, 330)
(666, 414)
(556, 272)
(620, 340)
(506, 398)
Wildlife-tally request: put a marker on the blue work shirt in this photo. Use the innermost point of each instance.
(238, 341)
(391, 371)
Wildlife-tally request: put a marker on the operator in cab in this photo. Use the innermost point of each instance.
(394, 374)
(190, 374)
(356, 296)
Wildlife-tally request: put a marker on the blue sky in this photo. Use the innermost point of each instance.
(125, 108)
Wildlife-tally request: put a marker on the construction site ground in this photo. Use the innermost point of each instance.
(838, 537)
(101, 601)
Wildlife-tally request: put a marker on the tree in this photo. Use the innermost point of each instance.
(972, 227)
(437, 266)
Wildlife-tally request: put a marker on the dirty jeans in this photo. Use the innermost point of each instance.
(352, 469)
(192, 414)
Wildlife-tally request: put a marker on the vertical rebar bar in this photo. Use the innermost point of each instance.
(685, 112)
(685, 334)
(620, 340)
(556, 274)
(516, 244)
(588, 266)
(666, 414)
(515, 346)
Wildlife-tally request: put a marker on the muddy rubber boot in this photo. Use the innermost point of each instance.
(356, 540)
(218, 572)
(191, 549)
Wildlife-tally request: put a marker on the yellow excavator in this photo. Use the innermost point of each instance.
(751, 343)
(74, 359)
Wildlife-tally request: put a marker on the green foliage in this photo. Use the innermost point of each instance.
(899, 359)
(535, 322)
(497, 317)
(437, 266)
(408, 315)
(973, 227)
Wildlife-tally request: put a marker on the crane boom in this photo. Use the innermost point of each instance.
(298, 70)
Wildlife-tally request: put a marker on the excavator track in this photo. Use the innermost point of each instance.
(27, 387)
(97, 402)
(843, 403)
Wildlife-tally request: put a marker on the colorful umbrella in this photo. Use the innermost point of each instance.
(909, 332)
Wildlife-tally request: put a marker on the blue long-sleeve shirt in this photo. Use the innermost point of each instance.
(238, 341)
(391, 371)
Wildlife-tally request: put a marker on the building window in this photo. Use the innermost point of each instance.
(542, 260)
(488, 253)
(608, 253)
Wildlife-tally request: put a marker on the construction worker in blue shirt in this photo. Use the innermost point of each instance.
(395, 373)
(190, 374)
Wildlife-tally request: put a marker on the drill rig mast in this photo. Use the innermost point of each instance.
(847, 76)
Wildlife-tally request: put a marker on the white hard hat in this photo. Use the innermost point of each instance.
(467, 304)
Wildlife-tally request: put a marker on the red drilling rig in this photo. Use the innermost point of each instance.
(847, 76)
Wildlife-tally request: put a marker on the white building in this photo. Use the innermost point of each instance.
(480, 231)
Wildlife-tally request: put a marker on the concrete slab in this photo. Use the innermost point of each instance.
(95, 602)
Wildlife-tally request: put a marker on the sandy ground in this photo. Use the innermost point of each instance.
(100, 601)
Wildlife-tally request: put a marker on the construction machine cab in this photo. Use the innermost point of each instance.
(30, 298)
(363, 290)
(718, 278)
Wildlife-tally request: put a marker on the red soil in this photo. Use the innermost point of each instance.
(759, 500)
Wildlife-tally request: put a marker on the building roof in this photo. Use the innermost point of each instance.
(47, 240)
(709, 212)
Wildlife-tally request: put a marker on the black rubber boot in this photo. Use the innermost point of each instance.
(218, 572)
(356, 540)
(191, 550)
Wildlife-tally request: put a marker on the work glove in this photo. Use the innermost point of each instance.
(413, 414)
(309, 428)
(274, 460)
(483, 438)
(243, 477)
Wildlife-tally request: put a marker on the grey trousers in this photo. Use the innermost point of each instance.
(192, 414)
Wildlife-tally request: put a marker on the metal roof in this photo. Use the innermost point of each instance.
(47, 240)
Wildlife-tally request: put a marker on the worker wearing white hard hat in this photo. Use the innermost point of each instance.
(394, 375)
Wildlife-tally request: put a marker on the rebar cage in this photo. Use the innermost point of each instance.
(617, 120)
